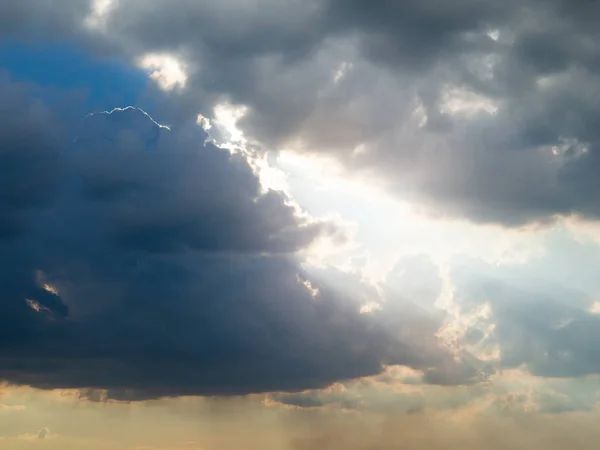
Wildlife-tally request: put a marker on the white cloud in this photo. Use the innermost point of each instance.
(166, 70)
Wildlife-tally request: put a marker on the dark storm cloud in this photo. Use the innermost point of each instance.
(147, 262)
(28, 153)
(536, 62)
(207, 200)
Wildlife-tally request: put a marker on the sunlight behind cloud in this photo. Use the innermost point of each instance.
(166, 70)
(226, 118)
(459, 101)
(390, 228)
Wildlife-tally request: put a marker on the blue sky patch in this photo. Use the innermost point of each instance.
(106, 83)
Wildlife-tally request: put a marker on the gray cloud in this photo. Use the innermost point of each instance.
(34, 20)
(534, 61)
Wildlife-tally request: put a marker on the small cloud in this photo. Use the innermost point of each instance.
(10, 408)
(595, 308)
(42, 433)
(166, 70)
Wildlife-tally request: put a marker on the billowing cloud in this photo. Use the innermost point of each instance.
(145, 261)
(530, 325)
(536, 314)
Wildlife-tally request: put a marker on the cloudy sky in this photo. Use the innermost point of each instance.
(299, 225)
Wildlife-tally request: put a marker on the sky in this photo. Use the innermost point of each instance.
(302, 224)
